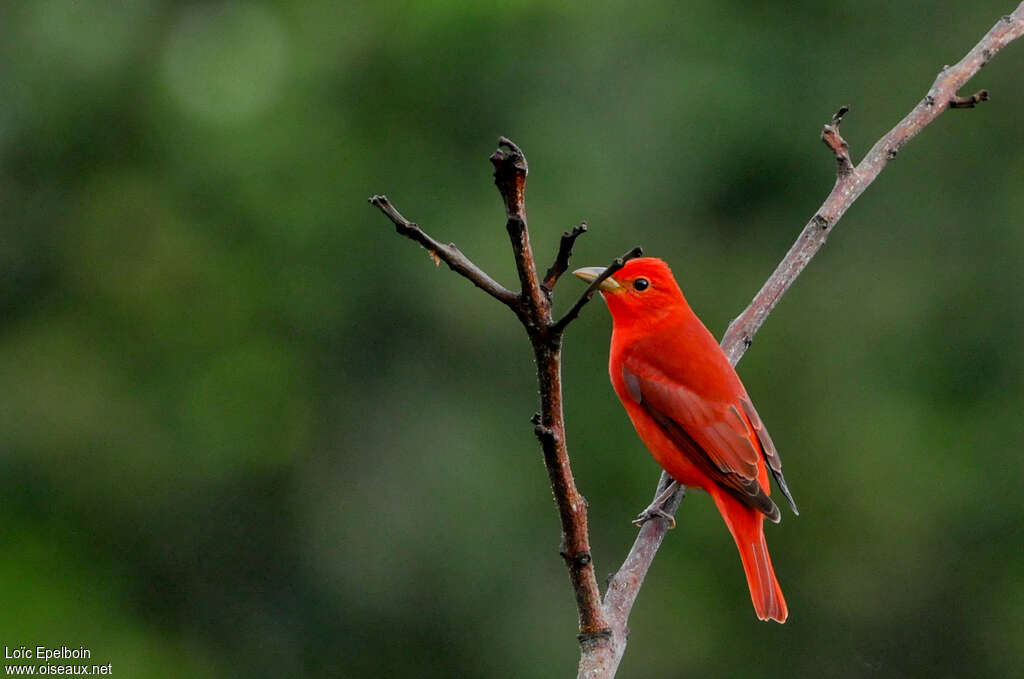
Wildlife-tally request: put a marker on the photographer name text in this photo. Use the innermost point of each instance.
(46, 653)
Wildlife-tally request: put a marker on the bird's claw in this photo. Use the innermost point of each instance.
(655, 511)
(649, 513)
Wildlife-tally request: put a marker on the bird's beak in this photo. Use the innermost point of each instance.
(590, 274)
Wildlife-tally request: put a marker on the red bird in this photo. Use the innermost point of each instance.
(692, 412)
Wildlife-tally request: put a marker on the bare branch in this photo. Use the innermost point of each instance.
(561, 263)
(574, 311)
(533, 307)
(625, 585)
(572, 509)
(510, 170)
(603, 631)
(449, 254)
(850, 186)
(830, 135)
(603, 661)
(969, 102)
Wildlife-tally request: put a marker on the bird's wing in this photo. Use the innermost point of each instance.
(771, 455)
(719, 438)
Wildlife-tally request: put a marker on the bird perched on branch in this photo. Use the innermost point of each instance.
(692, 412)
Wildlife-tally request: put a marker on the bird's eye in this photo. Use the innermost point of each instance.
(641, 284)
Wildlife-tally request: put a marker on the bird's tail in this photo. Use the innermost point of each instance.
(746, 526)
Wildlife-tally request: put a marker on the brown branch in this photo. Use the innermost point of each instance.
(624, 586)
(830, 135)
(969, 102)
(510, 170)
(561, 263)
(574, 311)
(533, 306)
(572, 507)
(449, 254)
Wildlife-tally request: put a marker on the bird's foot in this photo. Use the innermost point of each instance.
(649, 513)
(655, 511)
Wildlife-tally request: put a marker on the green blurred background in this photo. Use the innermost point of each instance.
(247, 431)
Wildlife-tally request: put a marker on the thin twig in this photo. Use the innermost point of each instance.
(561, 263)
(624, 586)
(830, 135)
(449, 254)
(574, 311)
(969, 102)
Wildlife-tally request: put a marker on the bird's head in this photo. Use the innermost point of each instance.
(642, 291)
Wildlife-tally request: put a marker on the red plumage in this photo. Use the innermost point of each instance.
(693, 413)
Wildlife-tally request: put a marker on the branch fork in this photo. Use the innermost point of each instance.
(603, 630)
(561, 263)
(532, 305)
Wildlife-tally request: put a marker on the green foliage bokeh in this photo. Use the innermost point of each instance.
(245, 430)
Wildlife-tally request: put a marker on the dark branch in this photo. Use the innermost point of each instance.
(610, 270)
(533, 307)
(510, 171)
(449, 254)
(969, 102)
(561, 263)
